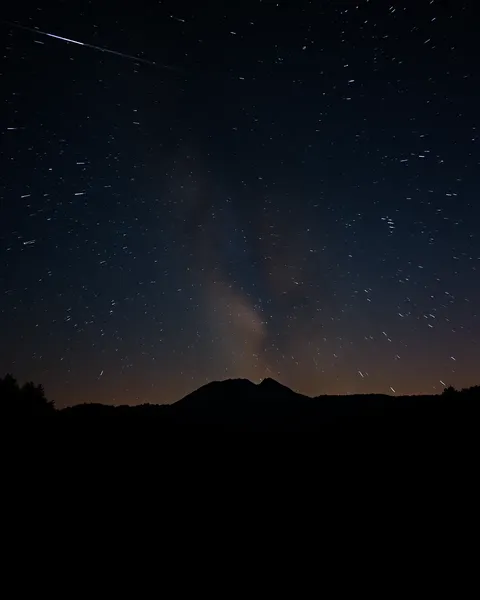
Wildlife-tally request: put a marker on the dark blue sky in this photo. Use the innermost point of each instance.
(298, 198)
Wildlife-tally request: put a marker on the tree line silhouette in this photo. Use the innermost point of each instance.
(28, 400)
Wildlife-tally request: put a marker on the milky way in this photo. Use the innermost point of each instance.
(299, 199)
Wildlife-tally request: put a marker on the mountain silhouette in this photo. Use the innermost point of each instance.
(270, 405)
(231, 390)
(269, 388)
(237, 402)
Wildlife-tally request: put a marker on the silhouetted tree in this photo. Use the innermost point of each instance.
(471, 392)
(28, 400)
(449, 392)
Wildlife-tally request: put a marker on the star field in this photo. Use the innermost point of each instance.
(296, 197)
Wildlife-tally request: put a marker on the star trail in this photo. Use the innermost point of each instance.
(297, 198)
(69, 41)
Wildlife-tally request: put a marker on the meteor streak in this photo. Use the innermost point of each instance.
(99, 48)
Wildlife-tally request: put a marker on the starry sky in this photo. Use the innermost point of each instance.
(277, 189)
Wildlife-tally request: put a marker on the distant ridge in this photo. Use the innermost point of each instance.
(239, 404)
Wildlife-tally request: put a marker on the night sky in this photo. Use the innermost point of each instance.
(292, 190)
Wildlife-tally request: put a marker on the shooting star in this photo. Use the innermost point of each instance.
(99, 48)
